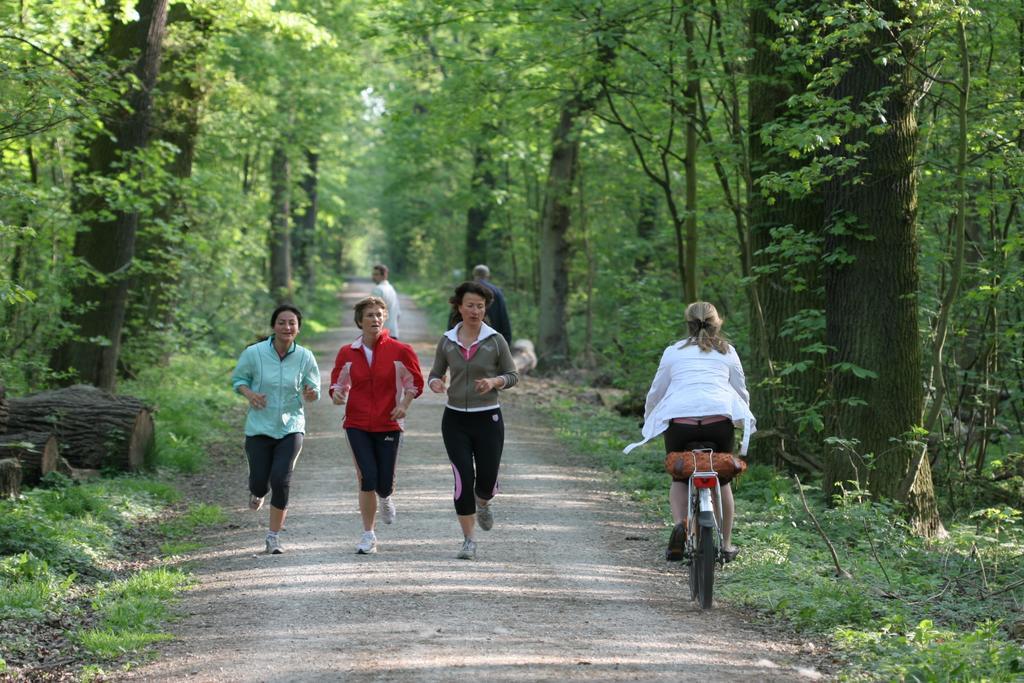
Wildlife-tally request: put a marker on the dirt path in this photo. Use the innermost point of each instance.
(568, 584)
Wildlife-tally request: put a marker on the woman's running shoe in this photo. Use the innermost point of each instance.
(255, 502)
(273, 545)
(468, 551)
(387, 510)
(484, 518)
(367, 544)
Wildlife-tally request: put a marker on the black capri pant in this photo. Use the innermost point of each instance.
(376, 457)
(474, 442)
(271, 462)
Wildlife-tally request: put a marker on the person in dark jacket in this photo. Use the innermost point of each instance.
(375, 378)
(497, 311)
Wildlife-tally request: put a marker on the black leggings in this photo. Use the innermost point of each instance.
(721, 434)
(271, 462)
(473, 439)
(376, 456)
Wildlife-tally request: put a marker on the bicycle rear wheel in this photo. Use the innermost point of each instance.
(703, 567)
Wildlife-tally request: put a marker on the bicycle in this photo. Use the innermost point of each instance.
(705, 470)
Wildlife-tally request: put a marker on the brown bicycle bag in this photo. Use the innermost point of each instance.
(682, 464)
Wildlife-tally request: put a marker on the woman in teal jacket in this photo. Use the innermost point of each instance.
(275, 375)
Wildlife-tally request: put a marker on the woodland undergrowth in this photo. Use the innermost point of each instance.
(909, 609)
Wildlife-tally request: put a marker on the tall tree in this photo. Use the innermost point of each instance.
(787, 297)
(871, 281)
(155, 288)
(107, 245)
(482, 186)
(555, 222)
(556, 218)
(279, 239)
(304, 228)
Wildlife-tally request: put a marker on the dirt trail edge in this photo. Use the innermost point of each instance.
(568, 585)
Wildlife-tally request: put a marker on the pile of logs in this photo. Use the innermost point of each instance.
(77, 430)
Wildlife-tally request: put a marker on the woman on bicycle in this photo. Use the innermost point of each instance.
(375, 378)
(480, 364)
(698, 394)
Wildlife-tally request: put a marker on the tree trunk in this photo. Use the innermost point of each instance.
(151, 312)
(788, 281)
(554, 240)
(304, 242)
(107, 245)
(689, 274)
(96, 430)
(482, 184)
(588, 252)
(280, 239)
(556, 215)
(10, 478)
(21, 272)
(646, 226)
(871, 297)
(37, 452)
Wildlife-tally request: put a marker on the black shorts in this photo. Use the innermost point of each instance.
(720, 434)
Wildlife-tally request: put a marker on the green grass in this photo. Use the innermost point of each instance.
(71, 527)
(29, 588)
(62, 543)
(181, 531)
(193, 401)
(922, 652)
(71, 531)
(912, 611)
(131, 612)
(196, 518)
(172, 548)
(177, 452)
(68, 539)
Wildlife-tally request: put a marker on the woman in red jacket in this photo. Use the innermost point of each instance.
(375, 378)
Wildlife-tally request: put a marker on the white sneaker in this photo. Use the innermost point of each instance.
(255, 502)
(468, 551)
(367, 544)
(484, 518)
(387, 510)
(273, 546)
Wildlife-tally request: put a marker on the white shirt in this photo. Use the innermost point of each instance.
(695, 383)
(385, 291)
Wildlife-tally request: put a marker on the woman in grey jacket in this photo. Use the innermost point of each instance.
(480, 364)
